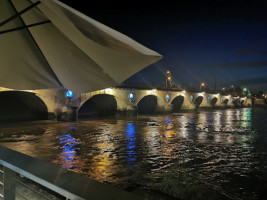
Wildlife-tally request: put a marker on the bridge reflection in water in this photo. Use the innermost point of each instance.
(219, 154)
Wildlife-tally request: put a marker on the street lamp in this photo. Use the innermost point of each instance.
(168, 79)
(233, 90)
(202, 85)
(246, 91)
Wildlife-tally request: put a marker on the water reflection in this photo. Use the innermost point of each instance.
(246, 118)
(68, 144)
(183, 122)
(131, 143)
(68, 151)
(218, 119)
(151, 140)
(102, 155)
(203, 154)
(229, 117)
(169, 128)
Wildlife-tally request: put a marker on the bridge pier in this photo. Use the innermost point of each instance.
(127, 111)
(69, 114)
(59, 106)
(167, 108)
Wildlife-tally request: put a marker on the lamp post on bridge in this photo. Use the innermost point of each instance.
(233, 88)
(168, 79)
(202, 86)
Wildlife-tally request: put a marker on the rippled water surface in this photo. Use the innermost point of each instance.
(219, 154)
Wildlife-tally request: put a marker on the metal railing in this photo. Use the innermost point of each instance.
(23, 177)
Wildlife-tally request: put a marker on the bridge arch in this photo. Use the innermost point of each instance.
(235, 102)
(225, 101)
(198, 101)
(22, 106)
(213, 101)
(177, 103)
(98, 105)
(147, 104)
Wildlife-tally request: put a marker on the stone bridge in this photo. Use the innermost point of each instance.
(53, 103)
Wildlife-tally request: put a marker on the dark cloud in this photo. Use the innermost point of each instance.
(251, 52)
(253, 81)
(257, 64)
(254, 84)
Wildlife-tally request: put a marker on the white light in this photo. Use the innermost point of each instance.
(201, 94)
(108, 90)
(153, 91)
(183, 93)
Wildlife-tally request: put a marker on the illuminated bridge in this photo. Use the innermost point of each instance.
(54, 104)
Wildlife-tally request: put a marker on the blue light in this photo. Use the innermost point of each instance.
(221, 98)
(69, 94)
(167, 96)
(208, 97)
(192, 97)
(131, 95)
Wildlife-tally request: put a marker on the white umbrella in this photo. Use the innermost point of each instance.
(47, 44)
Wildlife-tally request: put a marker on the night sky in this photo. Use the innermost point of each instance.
(199, 40)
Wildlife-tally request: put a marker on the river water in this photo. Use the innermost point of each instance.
(219, 154)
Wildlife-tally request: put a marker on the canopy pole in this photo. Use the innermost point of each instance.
(23, 27)
(19, 13)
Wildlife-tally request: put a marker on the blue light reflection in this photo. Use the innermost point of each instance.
(69, 151)
(131, 142)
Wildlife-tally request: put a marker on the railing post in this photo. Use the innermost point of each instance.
(9, 184)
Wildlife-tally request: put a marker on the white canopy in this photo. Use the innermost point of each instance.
(57, 46)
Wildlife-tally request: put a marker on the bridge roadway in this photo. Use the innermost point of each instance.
(126, 101)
